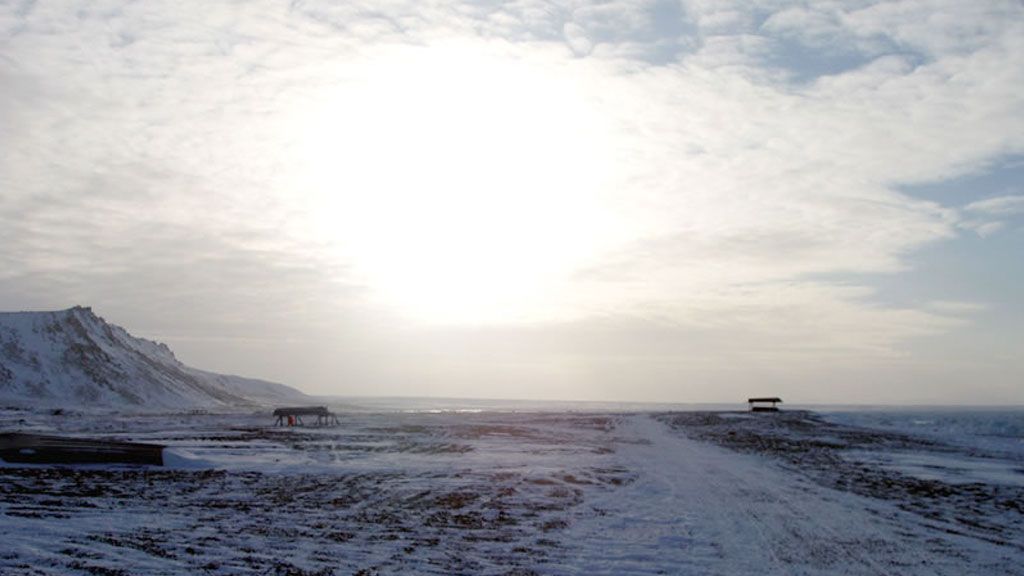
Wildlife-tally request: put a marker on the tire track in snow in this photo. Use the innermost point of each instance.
(669, 520)
(696, 508)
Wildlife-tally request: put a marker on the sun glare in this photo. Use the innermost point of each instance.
(460, 185)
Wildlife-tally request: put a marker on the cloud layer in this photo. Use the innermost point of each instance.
(697, 196)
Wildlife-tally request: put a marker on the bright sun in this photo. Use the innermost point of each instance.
(461, 185)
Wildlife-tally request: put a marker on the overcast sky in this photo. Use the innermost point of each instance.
(627, 200)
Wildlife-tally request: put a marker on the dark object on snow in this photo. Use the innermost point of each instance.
(758, 404)
(38, 449)
(293, 416)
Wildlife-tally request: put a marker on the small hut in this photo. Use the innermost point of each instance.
(762, 404)
(293, 416)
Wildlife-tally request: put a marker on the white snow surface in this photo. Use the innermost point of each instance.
(697, 508)
(74, 359)
(989, 429)
(508, 493)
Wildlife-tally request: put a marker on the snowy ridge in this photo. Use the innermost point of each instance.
(74, 358)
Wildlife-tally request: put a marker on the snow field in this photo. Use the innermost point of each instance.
(501, 493)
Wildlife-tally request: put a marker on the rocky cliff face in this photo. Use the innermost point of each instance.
(73, 358)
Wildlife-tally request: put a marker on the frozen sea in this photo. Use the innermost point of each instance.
(427, 486)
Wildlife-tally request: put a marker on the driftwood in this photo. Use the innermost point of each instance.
(39, 449)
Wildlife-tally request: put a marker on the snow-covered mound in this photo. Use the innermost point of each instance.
(73, 358)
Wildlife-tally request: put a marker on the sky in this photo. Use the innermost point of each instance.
(690, 201)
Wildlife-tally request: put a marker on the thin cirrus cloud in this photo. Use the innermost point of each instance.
(992, 215)
(661, 188)
(998, 206)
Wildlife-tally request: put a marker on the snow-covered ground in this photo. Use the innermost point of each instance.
(989, 430)
(507, 493)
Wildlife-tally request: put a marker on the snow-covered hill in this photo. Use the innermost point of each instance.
(73, 358)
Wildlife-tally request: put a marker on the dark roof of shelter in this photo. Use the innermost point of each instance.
(752, 400)
(302, 411)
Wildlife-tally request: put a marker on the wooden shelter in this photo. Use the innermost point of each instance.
(761, 404)
(40, 449)
(293, 416)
